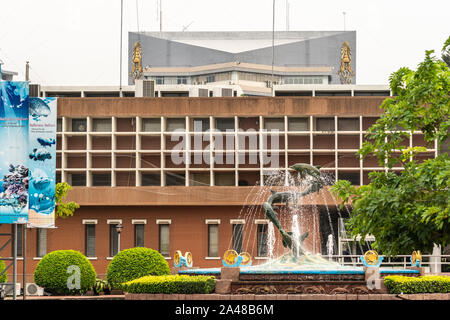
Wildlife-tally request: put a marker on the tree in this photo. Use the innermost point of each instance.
(407, 210)
(64, 209)
(446, 52)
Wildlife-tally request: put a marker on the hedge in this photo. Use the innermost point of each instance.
(425, 284)
(3, 277)
(53, 272)
(171, 284)
(135, 263)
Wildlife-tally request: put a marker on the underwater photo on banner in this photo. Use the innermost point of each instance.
(14, 177)
(42, 161)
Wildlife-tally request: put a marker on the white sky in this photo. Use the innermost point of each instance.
(76, 42)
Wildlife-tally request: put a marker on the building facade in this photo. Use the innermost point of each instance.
(244, 59)
(191, 174)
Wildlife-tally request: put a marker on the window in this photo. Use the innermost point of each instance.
(173, 124)
(175, 179)
(224, 179)
(224, 124)
(79, 125)
(77, 179)
(164, 240)
(353, 177)
(199, 179)
(237, 237)
(200, 125)
(90, 240)
(274, 124)
(151, 125)
(324, 124)
(101, 125)
(41, 242)
(139, 235)
(151, 179)
(59, 125)
(159, 80)
(181, 80)
(19, 237)
(348, 124)
(113, 240)
(101, 179)
(262, 240)
(213, 240)
(211, 78)
(298, 124)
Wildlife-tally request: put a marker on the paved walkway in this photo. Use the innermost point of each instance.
(131, 296)
(425, 296)
(106, 297)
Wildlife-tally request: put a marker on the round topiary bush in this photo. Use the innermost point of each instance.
(135, 263)
(3, 277)
(65, 272)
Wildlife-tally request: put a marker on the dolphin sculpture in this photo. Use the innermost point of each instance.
(317, 183)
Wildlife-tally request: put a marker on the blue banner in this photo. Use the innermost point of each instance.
(13, 152)
(42, 161)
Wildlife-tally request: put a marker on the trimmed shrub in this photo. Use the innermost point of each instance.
(135, 263)
(171, 284)
(53, 272)
(425, 284)
(3, 277)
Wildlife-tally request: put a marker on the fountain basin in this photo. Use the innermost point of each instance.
(344, 280)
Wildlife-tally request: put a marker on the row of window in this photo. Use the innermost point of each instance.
(164, 239)
(249, 178)
(221, 124)
(41, 241)
(241, 75)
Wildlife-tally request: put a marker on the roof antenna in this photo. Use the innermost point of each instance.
(287, 15)
(343, 13)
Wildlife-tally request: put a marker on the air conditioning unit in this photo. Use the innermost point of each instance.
(8, 288)
(145, 88)
(34, 290)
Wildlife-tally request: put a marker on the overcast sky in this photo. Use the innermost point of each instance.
(76, 42)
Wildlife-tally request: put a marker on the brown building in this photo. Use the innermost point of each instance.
(118, 154)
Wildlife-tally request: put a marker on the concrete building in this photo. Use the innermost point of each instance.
(117, 154)
(243, 58)
(8, 75)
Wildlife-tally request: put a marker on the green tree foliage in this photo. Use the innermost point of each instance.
(446, 52)
(409, 210)
(4, 276)
(64, 209)
(60, 268)
(135, 263)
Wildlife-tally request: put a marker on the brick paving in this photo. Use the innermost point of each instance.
(425, 296)
(214, 296)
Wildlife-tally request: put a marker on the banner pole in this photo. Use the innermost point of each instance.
(14, 260)
(24, 281)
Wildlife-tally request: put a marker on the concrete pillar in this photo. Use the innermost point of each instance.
(373, 279)
(227, 276)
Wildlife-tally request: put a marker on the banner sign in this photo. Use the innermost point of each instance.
(13, 152)
(42, 161)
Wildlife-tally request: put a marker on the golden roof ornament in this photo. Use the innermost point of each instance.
(136, 61)
(345, 70)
